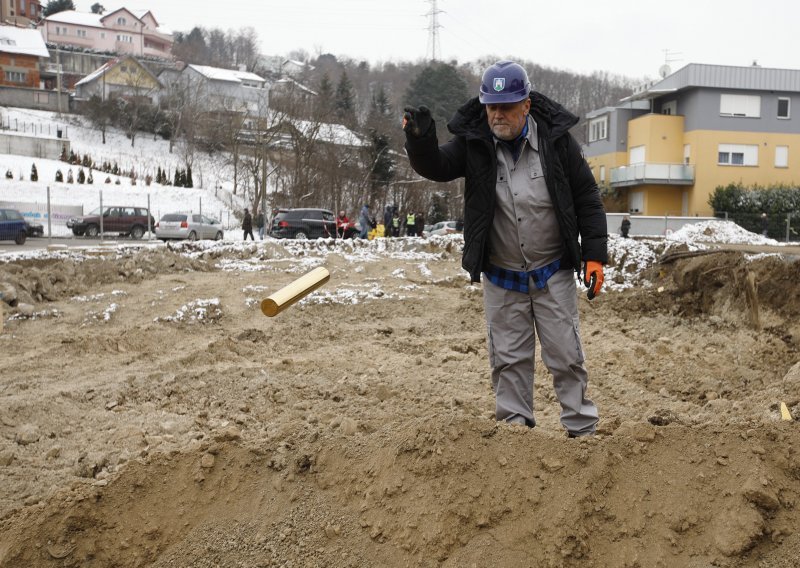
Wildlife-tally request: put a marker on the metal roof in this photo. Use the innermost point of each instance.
(752, 78)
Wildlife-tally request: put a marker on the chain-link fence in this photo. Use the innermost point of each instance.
(778, 226)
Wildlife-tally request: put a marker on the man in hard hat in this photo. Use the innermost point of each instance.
(528, 197)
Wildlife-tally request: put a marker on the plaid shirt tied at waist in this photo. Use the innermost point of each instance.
(518, 281)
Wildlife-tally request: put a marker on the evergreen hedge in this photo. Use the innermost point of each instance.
(745, 204)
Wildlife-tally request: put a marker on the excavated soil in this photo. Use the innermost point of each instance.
(150, 415)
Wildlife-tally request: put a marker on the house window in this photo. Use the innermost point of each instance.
(687, 153)
(124, 38)
(737, 155)
(122, 21)
(81, 33)
(598, 129)
(670, 108)
(15, 76)
(740, 105)
(781, 156)
(102, 35)
(784, 107)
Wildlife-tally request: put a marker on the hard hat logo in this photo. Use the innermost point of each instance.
(499, 83)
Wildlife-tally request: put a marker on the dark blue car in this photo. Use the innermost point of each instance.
(13, 226)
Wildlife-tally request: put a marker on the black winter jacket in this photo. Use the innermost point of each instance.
(471, 154)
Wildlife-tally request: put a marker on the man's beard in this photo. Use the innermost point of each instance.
(504, 132)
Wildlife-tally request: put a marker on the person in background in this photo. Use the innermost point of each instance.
(411, 225)
(261, 224)
(364, 221)
(396, 223)
(533, 217)
(387, 221)
(419, 225)
(625, 227)
(342, 222)
(247, 225)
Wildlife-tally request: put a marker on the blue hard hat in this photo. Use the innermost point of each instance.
(504, 82)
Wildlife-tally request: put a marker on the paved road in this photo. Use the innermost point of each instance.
(34, 243)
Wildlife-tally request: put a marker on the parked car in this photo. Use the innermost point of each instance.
(443, 228)
(12, 226)
(307, 223)
(131, 221)
(34, 229)
(188, 226)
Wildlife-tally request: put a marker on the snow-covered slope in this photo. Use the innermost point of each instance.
(211, 175)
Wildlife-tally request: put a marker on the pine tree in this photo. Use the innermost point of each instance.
(183, 178)
(189, 182)
(441, 88)
(70, 178)
(34, 173)
(81, 176)
(90, 179)
(158, 175)
(324, 100)
(59, 176)
(344, 101)
(177, 181)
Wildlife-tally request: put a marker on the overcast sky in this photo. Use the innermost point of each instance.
(627, 37)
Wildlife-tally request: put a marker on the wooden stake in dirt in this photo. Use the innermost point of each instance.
(297, 290)
(751, 290)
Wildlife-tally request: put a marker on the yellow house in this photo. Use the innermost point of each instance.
(121, 77)
(671, 143)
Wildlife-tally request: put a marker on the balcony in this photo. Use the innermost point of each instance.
(650, 173)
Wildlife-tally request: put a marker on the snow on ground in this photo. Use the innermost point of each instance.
(210, 173)
(629, 257)
(719, 232)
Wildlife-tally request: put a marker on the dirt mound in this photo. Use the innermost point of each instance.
(51, 279)
(355, 428)
(727, 286)
(441, 491)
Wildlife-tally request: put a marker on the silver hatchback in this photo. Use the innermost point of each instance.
(188, 226)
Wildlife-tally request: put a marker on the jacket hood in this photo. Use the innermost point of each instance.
(470, 119)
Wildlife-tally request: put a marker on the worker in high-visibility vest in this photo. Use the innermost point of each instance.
(411, 225)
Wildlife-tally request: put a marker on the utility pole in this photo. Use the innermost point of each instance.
(434, 48)
(58, 78)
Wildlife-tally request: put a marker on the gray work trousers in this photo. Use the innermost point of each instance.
(513, 319)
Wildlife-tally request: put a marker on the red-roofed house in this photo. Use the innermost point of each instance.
(123, 31)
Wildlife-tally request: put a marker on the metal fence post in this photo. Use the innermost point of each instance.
(49, 217)
(149, 224)
(101, 214)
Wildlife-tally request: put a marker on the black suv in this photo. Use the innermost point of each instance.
(131, 221)
(306, 224)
